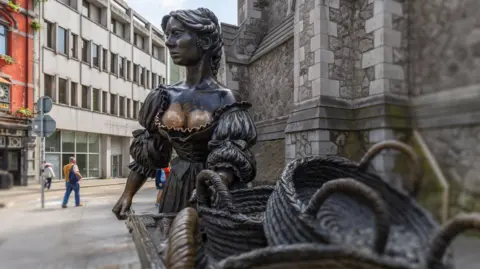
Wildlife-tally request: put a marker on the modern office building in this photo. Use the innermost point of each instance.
(175, 73)
(100, 60)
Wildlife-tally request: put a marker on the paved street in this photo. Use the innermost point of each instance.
(83, 237)
(90, 236)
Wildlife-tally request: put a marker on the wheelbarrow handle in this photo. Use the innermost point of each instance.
(182, 247)
(416, 174)
(447, 233)
(356, 190)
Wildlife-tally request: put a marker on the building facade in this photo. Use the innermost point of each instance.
(17, 31)
(100, 60)
(175, 73)
(335, 77)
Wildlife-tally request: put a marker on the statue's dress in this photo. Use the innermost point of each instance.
(223, 142)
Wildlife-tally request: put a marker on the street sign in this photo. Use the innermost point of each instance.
(49, 125)
(44, 104)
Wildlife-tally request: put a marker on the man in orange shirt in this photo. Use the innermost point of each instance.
(72, 177)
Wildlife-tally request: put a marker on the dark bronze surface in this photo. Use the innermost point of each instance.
(195, 117)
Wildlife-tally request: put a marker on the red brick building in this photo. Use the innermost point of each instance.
(17, 27)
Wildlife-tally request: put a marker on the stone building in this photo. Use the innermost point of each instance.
(336, 76)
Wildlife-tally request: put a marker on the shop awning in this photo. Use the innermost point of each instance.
(5, 81)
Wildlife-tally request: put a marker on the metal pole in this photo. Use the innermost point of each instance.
(42, 154)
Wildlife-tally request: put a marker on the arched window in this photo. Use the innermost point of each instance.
(3, 39)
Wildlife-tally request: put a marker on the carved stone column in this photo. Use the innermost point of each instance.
(350, 79)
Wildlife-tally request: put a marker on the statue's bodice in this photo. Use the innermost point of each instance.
(191, 109)
(189, 117)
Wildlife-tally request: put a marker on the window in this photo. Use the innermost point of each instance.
(85, 97)
(135, 109)
(148, 79)
(163, 80)
(142, 76)
(113, 104)
(73, 45)
(62, 40)
(154, 84)
(129, 113)
(138, 41)
(96, 100)
(104, 102)
(85, 8)
(50, 35)
(135, 72)
(85, 56)
(158, 52)
(49, 89)
(121, 69)
(105, 59)
(62, 91)
(122, 106)
(118, 28)
(3, 39)
(128, 70)
(113, 63)
(70, 3)
(96, 55)
(73, 94)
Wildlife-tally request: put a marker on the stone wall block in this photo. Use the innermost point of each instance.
(380, 20)
(387, 36)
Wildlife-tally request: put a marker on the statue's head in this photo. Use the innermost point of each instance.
(193, 35)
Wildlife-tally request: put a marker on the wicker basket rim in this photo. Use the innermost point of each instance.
(307, 252)
(287, 183)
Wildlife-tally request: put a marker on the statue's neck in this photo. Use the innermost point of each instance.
(198, 72)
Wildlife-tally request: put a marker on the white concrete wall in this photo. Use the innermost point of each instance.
(68, 118)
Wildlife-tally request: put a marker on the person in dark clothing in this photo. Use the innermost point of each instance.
(207, 124)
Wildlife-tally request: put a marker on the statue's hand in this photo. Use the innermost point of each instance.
(122, 206)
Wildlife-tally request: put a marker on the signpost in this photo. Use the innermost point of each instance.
(43, 126)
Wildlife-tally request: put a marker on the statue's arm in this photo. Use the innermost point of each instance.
(230, 154)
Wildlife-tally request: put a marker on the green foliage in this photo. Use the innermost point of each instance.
(35, 25)
(24, 112)
(14, 6)
(7, 59)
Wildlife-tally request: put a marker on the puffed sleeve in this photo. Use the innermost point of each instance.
(149, 149)
(232, 139)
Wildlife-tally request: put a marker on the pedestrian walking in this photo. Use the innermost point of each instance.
(72, 177)
(160, 180)
(48, 174)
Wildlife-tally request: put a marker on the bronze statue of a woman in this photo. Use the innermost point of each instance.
(206, 123)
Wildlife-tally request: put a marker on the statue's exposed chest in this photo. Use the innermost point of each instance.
(191, 109)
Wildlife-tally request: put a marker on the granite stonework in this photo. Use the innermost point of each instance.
(446, 91)
(270, 83)
(270, 156)
(360, 72)
(446, 46)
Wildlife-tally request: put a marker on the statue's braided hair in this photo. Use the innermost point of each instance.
(203, 22)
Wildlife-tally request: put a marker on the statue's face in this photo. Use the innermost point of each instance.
(182, 44)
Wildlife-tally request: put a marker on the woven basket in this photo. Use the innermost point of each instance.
(307, 256)
(411, 225)
(343, 222)
(438, 256)
(232, 222)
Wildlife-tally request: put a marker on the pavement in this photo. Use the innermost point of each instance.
(76, 237)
